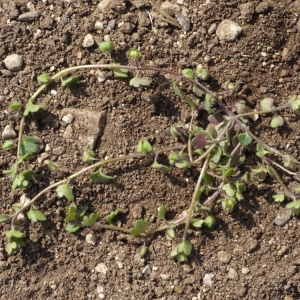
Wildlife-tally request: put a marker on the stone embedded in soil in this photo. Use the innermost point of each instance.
(228, 31)
(88, 41)
(224, 257)
(29, 16)
(86, 127)
(286, 55)
(183, 21)
(247, 11)
(252, 245)
(90, 239)
(101, 268)
(245, 270)
(13, 62)
(104, 5)
(8, 132)
(68, 118)
(283, 215)
(207, 279)
(283, 250)
(165, 276)
(232, 274)
(146, 270)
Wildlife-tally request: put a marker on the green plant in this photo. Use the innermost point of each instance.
(218, 148)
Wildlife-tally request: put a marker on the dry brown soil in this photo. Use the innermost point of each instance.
(264, 61)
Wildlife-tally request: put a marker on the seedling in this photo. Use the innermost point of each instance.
(217, 151)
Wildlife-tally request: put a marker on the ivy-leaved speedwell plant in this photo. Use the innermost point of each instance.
(217, 150)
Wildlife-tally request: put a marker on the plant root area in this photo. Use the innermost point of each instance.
(249, 256)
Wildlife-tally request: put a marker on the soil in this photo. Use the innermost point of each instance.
(263, 61)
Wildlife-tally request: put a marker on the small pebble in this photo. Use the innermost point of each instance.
(232, 274)
(100, 289)
(59, 150)
(8, 133)
(99, 25)
(283, 250)
(228, 31)
(224, 257)
(245, 271)
(111, 24)
(104, 5)
(183, 21)
(283, 215)
(146, 270)
(68, 118)
(101, 268)
(165, 276)
(29, 16)
(13, 62)
(212, 28)
(207, 279)
(286, 55)
(90, 239)
(101, 296)
(88, 41)
(253, 245)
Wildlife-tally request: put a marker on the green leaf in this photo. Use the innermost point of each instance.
(109, 218)
(100, 177)
(185, 247)
(91, 220)
(122, 73)
(188, 73)
(22, 180)
(73, 226)
(44, 78)
(192, 103)
(183, 162)
(278, 197)
(28, 145)
(295, 103)
(209, 101)
(134, 54)
(177, 130)
(160, 167)
(107, 46)
(144, 146)
(170, 234)
(173, 156)
(32, 108)
(82, 211)
(197, 223)
(7, 145)
(88, 156)
(177, 90)
(17, 206)
(244, 139)
(14, 105)
(69, 81)
(277, 121)
(228, 204)
(229, 88)
(229, 189)
(287, 161)
(202, 73)
(162, 212)
(71, 212)
(64, 190)
(293, 205)
(228, 173)
(140, 227)
(15, 234)
(137, 82)
(209, 221)
(4, 218)
(260, 151)
(14, 245)
(36, 215)
(143, 251)
(216, 156)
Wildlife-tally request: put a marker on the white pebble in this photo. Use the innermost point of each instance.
(68, 118)
(101, 296)
(104, 4)
(8, 132)
(228, 31)
(90, 239)
(232, 274)
(53, 92)
(99, 25)
(245, 270)
(100, 289)
(207, 279)
(13, 62)
(88, 41)
(101, 268)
